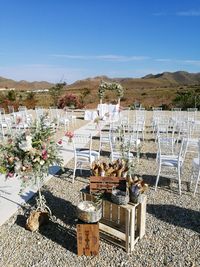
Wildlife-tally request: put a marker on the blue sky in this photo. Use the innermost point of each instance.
(69, 40)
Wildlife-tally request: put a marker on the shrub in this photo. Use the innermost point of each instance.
(11, 95)
(70, 100)
(30, 96)
(187, 99)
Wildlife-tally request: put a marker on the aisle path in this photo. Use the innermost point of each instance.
(10, 199)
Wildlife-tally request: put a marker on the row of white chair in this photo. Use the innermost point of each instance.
(168, 158)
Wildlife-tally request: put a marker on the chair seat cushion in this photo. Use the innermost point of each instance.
(195, 162)
(93, 152)
(85, 157)
(118, 155)
(171, 161)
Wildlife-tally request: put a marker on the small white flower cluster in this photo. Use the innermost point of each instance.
(26, 145)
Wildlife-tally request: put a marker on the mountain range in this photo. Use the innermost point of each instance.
(148, 81)
(150, 90)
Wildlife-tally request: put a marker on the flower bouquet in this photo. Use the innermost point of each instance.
(29, 155)
(70, 135)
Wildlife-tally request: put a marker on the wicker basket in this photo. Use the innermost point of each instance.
(119, 197)
(90, 215)
(136, 199)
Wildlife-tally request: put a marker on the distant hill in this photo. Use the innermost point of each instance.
(179, 77)
(93, 83)
(23, 85)
(148, 81)
(150, 90)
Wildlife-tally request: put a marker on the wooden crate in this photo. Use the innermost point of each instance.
(122, 225)
(106, 183)
(87, 239)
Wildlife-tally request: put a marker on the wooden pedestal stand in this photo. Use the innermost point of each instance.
(87, 238)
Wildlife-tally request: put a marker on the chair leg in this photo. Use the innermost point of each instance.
(81, 170)
(157, 179)
(179, 180)
(197, 183)
(138, 155)
(143, 135)
(100, 148)
(74, 172)
(192, 177)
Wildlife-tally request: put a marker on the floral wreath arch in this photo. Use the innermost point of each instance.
(114, 86)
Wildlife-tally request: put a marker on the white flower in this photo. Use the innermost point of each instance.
(17, 166)
(29, 140)
(26, 145)
(42, 162)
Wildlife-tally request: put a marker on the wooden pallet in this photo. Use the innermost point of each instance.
(122, 225)
(106, 183)
(87, 239)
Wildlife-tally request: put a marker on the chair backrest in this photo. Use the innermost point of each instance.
(183, 149)
(2, 111)
(40, 111)
(2, 117)
(11, 109)
(163, 130)
(54, 114)
(82, 141)
(165, 146)
(184, 129)
(192, 114)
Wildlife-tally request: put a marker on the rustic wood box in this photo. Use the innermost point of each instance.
(87, 239)
(122, 225)
(106, 183)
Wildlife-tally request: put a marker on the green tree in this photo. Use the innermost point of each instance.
(187, 99)
(11, 95)
(56, 91)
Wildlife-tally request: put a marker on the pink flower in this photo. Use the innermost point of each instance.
(44, 154)
(60, 142)
(10, 174)
(69, 134)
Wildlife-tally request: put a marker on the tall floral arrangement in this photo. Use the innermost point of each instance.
(30, 153)
(114, 86)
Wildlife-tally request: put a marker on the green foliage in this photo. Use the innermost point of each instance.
(56, 91)
(11, 95)
(30, 96)
(187, 99)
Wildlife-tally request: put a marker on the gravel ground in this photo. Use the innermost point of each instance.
(172, 227)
